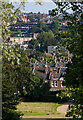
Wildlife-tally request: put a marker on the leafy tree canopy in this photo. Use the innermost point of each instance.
(45, 39)
(74, 44)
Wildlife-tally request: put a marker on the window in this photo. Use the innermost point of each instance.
(30, 38)
(25, 39)
(55, 83)
(52, 83)
(55, 78)
(16, 40)
(21, 39)
(62, 83)
(11, 39)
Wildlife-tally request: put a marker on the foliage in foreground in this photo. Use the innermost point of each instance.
(9, 92)
(74, 43)
(17, 79)
(15, 68)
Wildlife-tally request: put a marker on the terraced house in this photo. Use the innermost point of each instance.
(51, 73)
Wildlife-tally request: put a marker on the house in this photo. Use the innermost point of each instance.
(24, 46)
(55, 79)
(51, 73)
(19, 40)
(51, 49)
(47, 54)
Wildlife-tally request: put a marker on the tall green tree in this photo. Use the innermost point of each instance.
(17, 80)
(74, 43)
(33, 43)
(9, 92)
(55, 26)
(24, 78)
(45, 39)
(10, 57)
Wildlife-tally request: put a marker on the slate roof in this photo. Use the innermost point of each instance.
(40, 70)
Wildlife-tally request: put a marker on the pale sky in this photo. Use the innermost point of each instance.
(31, 0)
(31, 6)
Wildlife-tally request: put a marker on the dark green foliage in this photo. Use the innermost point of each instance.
(40, 92)
(55, 26)
(45, 39)
(11, 115)
(9, 92)
(33, 44)
(24, 77)
(74, 43)
(40, 28)
(34, 30)
(41, 25)
(17, 79)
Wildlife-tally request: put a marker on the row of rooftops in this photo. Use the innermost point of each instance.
(45, 69)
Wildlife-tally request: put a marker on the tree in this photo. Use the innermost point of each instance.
(33, 43)
(9, 92)
(43, 27)
(74, 44)
(8, 10)
(45, 39)
(34, 29)
(17, 79)
(41, 24)
(10, 57)
(55, 26)
(24, 78)
(37, 93)
(19, 32)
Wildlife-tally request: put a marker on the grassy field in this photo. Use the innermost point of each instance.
(40, 109)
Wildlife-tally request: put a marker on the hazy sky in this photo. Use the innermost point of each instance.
(31, 0)
(31, 6)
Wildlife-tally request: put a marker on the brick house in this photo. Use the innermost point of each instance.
(55, 79)
(20, 40)
(51, 73)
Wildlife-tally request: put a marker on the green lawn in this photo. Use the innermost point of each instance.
(42, 109)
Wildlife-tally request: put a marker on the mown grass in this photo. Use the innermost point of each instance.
(39, 108)
(33, 113)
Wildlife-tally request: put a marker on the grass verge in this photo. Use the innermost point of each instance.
(39, 108)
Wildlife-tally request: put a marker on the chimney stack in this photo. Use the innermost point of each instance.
(52, 76)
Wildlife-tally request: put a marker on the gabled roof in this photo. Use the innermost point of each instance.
(40, 69)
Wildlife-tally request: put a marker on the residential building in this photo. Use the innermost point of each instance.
(19, 40)
(51, 73)
(51, 49)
